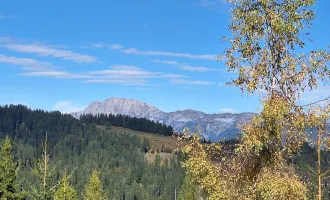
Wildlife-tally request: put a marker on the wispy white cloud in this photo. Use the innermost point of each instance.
(132, 72)
(166, 53)
(115, 46)
(120, 74)
(57, 74)
(189, 82)
(167, 62)
(68, 107)
(228, 110)
(41, 69)
(195, 69)
(124, 70)
(42, 50)
(98, 45)
(26, 63)
(110, 46)
(128, 75)
(184, 66)
(136, 82)
(153, 53)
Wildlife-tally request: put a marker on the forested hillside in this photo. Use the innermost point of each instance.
(134, 123)
(81, 148)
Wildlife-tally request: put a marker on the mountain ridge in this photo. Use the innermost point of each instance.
(216, 126)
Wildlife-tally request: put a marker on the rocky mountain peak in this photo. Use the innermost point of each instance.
(214, 126)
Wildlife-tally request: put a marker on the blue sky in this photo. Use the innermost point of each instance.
(65, 54)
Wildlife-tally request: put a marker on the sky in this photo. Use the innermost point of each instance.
(63, 55)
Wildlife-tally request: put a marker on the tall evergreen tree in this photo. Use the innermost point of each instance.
(188, 189)
(65, 191)
(42, 189)
(8, 173)
(93, 190)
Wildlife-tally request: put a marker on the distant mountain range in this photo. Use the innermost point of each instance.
(214, 126)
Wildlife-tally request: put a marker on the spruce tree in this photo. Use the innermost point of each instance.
(65, 191)
(93, 190)
(188, 189)
(42, 189)
(8, 173)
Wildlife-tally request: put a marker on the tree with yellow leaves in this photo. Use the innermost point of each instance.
(266, 35)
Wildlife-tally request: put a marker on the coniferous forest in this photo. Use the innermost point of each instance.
(79, 156)
(77, 160)
(137, 124)
(282, 152)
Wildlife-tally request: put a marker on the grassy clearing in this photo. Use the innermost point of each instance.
(157, 141)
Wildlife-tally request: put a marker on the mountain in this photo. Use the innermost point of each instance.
(214, 126)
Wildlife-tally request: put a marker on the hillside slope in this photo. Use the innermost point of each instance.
(214, 126)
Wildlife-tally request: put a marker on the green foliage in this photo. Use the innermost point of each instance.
(305, 161)
(272, 184)
(188, 190)
(81, 147)
(266, 34)
(8, 173)
(137, 124)
(93, 190)
(65, 190)
(42, 188)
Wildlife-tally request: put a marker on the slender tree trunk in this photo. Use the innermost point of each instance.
(64, 184)
(45, 166)
(319, 163)
(175, 193)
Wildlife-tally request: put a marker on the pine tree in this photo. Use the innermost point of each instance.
(188, 189)
(43, 189)
(8, 173)
(65, 191)
(93, 190)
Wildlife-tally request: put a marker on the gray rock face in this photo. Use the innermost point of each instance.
(213, 126)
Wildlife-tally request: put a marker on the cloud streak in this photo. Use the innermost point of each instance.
(56, 74)
(26, 63)
(128, 75)
(40, 69)
(110, 46)
(132, 72)
(136, 51)
(189, 82)
(184, 66)
(44, 51)
(136, 82)
(169, 54)
(195, 69)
